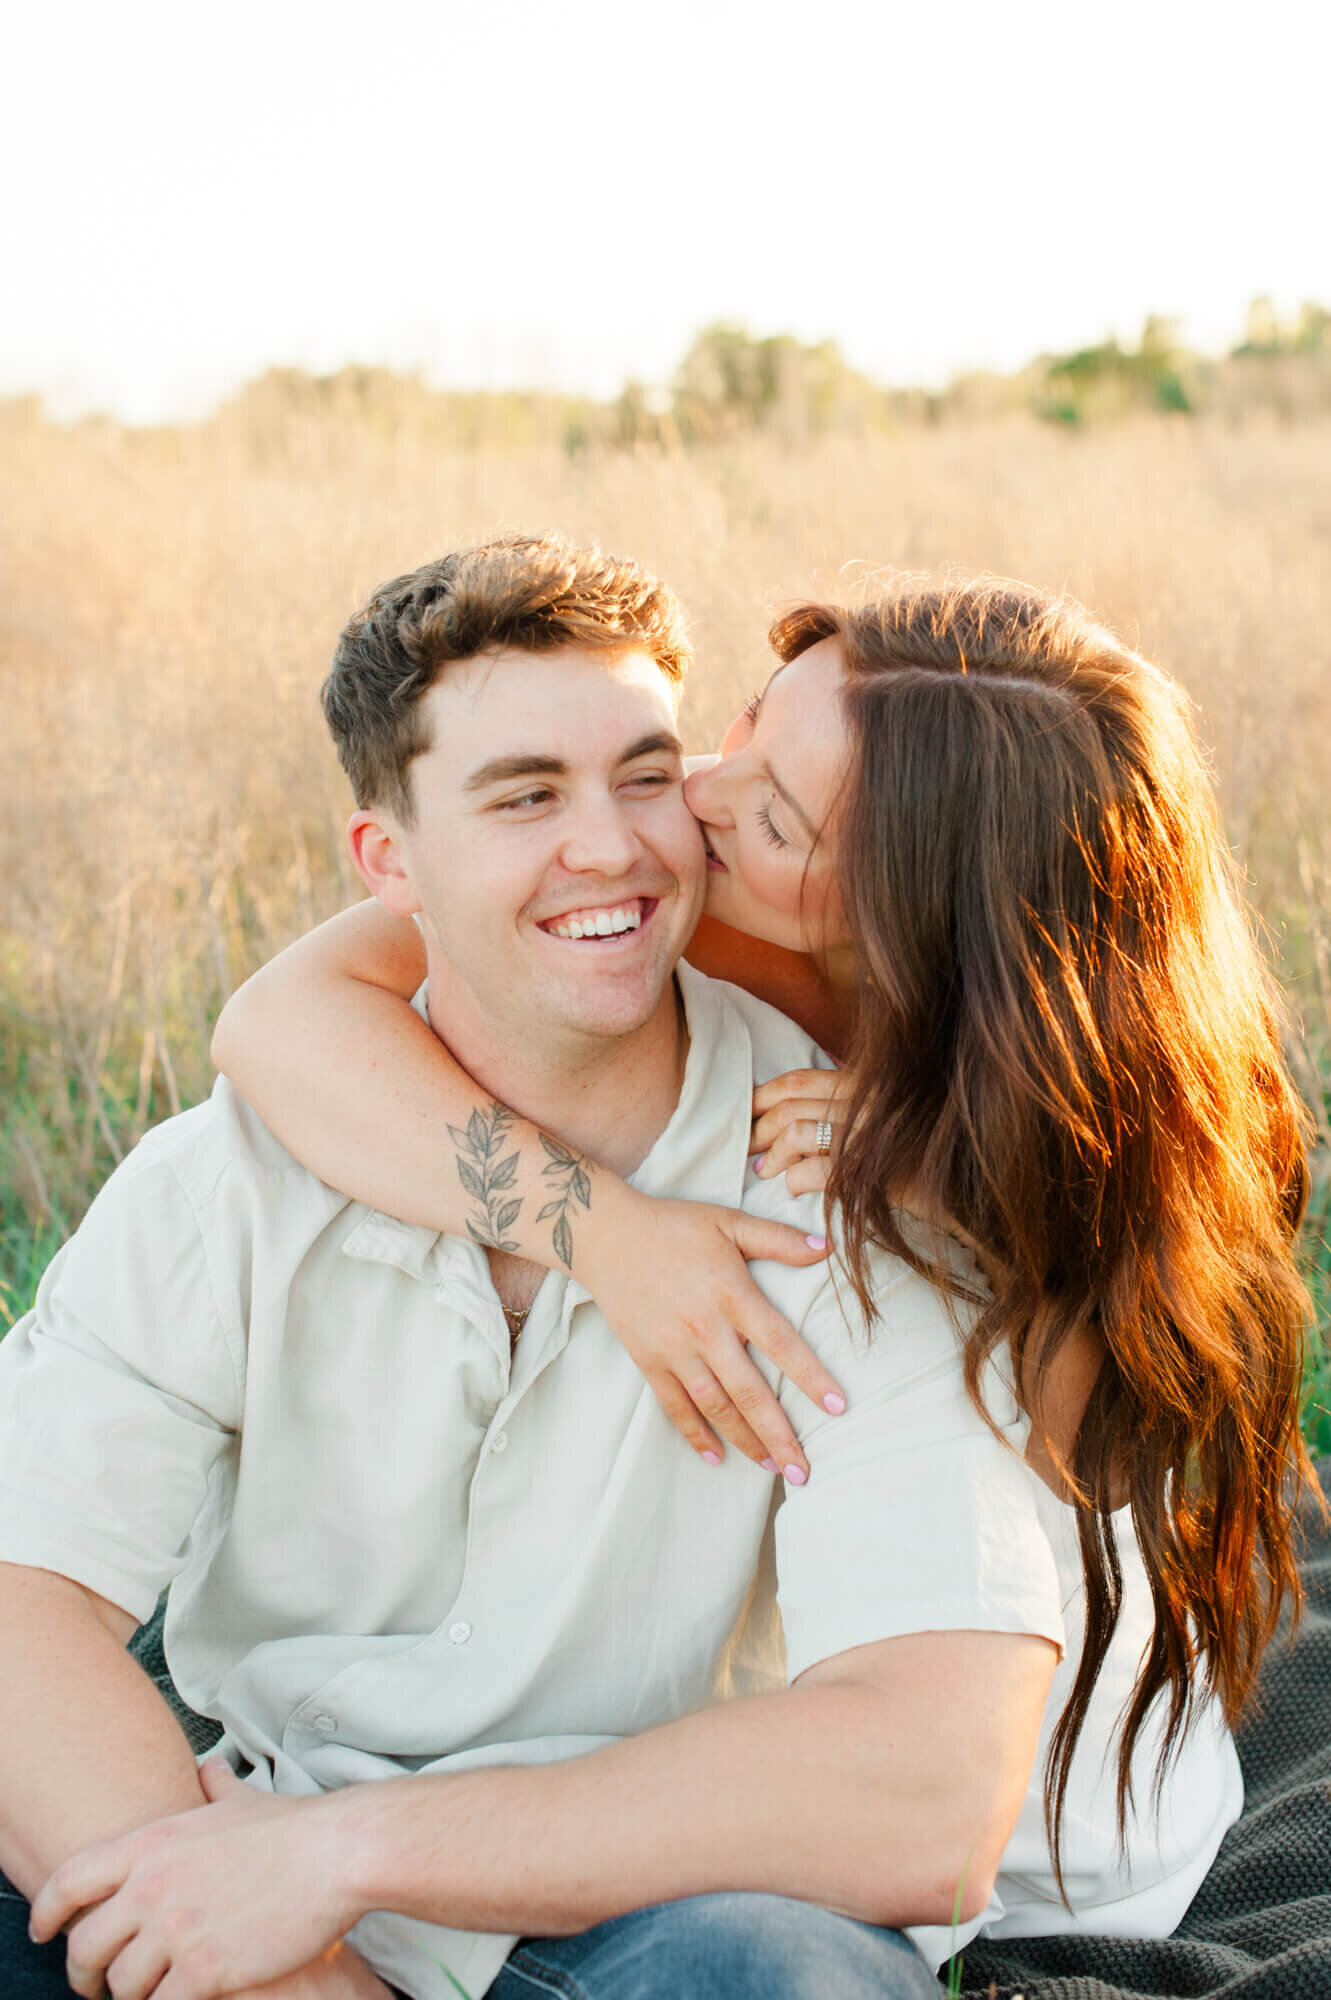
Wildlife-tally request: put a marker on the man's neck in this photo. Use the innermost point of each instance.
(607, 1097)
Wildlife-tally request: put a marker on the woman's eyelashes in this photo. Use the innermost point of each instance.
(769, 830)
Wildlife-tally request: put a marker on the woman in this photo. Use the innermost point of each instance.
(966, 836)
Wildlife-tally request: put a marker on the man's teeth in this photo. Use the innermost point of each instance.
(599, 923)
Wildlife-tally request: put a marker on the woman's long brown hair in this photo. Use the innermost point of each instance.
(1068, 1044)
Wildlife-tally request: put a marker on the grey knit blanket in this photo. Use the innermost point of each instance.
(1260, 1925)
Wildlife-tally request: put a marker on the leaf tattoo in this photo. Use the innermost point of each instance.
(486, 1176)
(569, 1174)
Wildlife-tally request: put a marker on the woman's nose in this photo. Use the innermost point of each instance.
(705, 795)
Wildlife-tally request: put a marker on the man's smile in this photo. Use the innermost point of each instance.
(614, 922)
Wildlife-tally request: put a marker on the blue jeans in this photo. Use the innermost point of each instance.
(727, 1947)
(723, 1947)
(27, 1971)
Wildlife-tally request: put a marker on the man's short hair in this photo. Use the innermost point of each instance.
(537, 592)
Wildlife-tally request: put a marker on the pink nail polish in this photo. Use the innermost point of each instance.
(758, 1163)
(833, 1403)
(769, 1465)
(816, 1242)
(711, 1458)
(794, 1476)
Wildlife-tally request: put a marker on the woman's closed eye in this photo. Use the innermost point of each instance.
(769, 830)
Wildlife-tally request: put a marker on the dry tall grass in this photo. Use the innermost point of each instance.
(168, 601)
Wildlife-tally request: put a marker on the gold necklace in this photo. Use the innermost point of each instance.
(517, 1319)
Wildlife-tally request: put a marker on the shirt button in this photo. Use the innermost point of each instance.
(326, 1725)
(499, 1442)
(460, 1633)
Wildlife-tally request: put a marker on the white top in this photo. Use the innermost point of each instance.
(1143, 1889)
(391, 1547)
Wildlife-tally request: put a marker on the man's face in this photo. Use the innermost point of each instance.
(552, 804)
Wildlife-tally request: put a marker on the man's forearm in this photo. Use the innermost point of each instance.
(821, 1792)
(885, 1785)
(88, 1748)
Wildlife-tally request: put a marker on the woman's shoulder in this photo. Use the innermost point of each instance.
(916, 1332)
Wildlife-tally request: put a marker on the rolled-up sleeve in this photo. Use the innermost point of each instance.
(916, 1517)
(119, 1393)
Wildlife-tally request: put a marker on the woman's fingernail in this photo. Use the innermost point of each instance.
(758, 1163)
(795, 1476)
(712, 1457)
(816, 1242)
(769, 1465)
(833, 1403)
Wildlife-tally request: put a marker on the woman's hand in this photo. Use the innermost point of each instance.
(787, 1112)
(672, 1281)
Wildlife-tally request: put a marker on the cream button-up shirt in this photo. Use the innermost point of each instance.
(392, 1545)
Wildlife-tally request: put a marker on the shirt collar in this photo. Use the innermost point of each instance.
(703, 1152)
(701, 1155)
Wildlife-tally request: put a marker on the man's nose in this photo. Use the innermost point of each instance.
(601, 838)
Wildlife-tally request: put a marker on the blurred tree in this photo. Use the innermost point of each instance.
(1263, 334)
(729, 382)
(1162, 362)
(1313, 329)
(1110, 381)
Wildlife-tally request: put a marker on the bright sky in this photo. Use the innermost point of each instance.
(519, 191)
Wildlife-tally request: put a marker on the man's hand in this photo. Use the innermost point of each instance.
(221, 1900)
(338, 1975)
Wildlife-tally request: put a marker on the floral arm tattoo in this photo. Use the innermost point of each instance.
(569, 1174)
(487, 1177)
(488, 1173)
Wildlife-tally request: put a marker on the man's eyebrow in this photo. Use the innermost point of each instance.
(521, 764)
(660, 740)
(532, 764)
(791, 801)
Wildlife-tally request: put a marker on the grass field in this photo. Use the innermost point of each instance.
(168, 601)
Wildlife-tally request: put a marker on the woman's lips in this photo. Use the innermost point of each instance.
(714, 860)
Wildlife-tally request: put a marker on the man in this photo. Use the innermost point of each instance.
(418, 1513)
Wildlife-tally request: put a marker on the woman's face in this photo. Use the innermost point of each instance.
(767, 809)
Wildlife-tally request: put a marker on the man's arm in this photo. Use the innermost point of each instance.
(106, 1365)
(90, 1750)
(117, 1396)
(903, 1766)
(88, 1747)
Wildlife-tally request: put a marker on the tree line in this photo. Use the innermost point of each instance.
(732, 383)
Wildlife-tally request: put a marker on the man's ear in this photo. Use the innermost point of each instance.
(375, 849)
